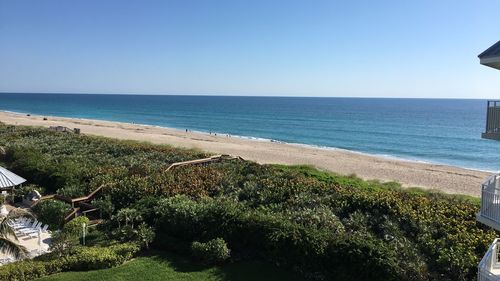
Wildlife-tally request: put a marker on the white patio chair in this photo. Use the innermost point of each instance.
(34, 234)
(17, 221)
(19, 226)
(26, 224)
(28, 231)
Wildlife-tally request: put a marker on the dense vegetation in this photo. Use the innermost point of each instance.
(171, 267)
(323, 226)
(80, 259)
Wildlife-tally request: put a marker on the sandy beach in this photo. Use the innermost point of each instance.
(431, 176)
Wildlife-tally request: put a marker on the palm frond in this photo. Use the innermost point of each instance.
(17, 213)
(5, 229)
(10, 247)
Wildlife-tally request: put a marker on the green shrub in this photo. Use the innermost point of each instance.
(125, 251)
(96, 237)
(65, 240)
(212, 252)
(72, 191)
(82, 258)
(362, 258)
(24, 190)
(143, 235)
(25, 271)
(74, 227)
(293, 216)
(146, 207)
(90, 258)
(105, 206)
(255, 232)
(31, 163)
(51, 212)
(127, 217)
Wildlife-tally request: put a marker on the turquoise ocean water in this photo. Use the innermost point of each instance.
(430, 130)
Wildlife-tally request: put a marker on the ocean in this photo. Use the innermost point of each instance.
(442, 131)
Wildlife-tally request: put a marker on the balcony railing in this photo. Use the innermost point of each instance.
(489, 267)
(490, 202)
(492, 121)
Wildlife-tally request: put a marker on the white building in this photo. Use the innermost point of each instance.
(491, 58)
(489, 267)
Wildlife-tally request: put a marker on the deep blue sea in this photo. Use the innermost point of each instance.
(431, 130)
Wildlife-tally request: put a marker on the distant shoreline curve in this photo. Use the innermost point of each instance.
(365, 165)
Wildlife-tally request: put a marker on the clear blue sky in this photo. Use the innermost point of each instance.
(423, 48)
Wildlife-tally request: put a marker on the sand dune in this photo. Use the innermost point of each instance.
(441, 177)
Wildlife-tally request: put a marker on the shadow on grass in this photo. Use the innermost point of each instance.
(177, 262)
(159, 266)
(239, 271)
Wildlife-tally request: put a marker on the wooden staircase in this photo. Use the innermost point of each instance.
(80, 205)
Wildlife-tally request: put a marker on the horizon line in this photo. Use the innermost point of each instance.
(244, 95)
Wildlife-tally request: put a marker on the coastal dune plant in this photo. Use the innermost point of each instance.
(52, 212)
(214, 251)
(144, 235)
(79, 259)
(72, 191)
(105, 206)
(322, 225)
(75, 226)
(127, 217)
(66, 239)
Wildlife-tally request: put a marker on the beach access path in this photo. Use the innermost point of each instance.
(445, 178)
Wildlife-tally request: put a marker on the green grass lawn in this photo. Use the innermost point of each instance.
(172, 267)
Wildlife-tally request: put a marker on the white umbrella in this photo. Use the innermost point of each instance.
(9, 179)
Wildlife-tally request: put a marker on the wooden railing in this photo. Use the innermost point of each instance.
(88, 197)
(212, 159)
(42, 199)
(81, 208)
(72, 214)
(489, 267)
